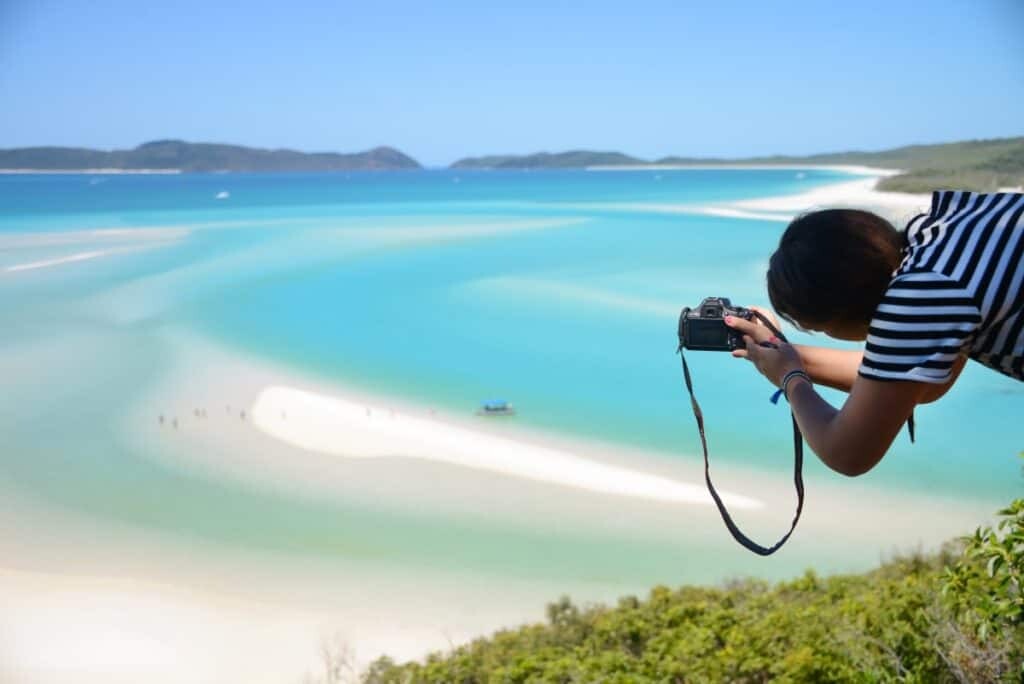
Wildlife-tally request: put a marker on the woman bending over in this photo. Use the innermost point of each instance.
(948, 288)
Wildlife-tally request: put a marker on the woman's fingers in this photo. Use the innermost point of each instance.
(752, 346)
(767, 314)
(741, 324)
(759, 332)
(744, 352)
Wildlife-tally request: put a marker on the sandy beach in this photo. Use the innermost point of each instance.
(898, 207)
(861, 193)
(103, 172)
(854, 169)
(120, 602)
(857, 193)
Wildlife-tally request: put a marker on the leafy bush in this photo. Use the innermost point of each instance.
(955, 616)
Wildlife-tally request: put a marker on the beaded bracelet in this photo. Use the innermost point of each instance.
(785, 381)
(789, 376)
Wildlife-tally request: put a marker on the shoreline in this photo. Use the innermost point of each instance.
(860, 193)
(854, 169)
(98, 172)
(897, 207)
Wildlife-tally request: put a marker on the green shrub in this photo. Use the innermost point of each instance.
(954, 616)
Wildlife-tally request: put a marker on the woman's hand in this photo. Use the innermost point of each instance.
(767, 314)
(771, 356)
(755, 328)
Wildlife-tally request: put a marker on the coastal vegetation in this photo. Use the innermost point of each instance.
(954, 616)
(178, 155)
(973, 165)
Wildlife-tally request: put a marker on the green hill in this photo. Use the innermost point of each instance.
(974, 164)
(197, 157)
(957, 616)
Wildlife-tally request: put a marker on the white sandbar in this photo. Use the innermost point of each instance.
(81, 256)
(337, 426)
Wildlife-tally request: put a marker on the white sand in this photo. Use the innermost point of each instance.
(897, 207)
(729, 212)
(61, 628)
(844, 168)
(95, 603)
(859, 193)
(81, 256)
(98, 236)
(337, 426)
(104, 242)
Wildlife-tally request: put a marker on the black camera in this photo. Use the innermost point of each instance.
(704, 328)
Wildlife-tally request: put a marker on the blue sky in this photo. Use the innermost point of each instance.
(445, 80)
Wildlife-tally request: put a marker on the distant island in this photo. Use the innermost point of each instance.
(185, 157)
(973, 164)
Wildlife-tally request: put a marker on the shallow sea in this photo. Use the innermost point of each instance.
(558, 291)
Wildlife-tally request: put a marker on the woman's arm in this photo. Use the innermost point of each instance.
(836, 368)
(854, 439)
(851, 440)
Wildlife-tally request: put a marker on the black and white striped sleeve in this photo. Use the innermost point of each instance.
(923, 323)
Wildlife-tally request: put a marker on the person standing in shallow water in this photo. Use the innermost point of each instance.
(948, 288)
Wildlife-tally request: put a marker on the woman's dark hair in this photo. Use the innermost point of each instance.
(833, 265)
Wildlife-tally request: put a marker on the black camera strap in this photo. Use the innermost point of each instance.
(798, 462)
(798, 458)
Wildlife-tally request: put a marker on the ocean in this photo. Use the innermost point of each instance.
(557, 291)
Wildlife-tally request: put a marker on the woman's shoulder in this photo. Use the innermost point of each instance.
(964, 234)
(949, 203)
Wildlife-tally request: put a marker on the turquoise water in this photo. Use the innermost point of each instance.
(558, 291)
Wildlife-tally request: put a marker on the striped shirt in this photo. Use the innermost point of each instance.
(958, 290)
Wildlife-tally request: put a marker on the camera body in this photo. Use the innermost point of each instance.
(704, 328)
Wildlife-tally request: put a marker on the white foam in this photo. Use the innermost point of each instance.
(407, 235)
(81, 256)
(727, 212)
(91, 237)
(340, 427)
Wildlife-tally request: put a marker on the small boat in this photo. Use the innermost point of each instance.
(495, 407)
